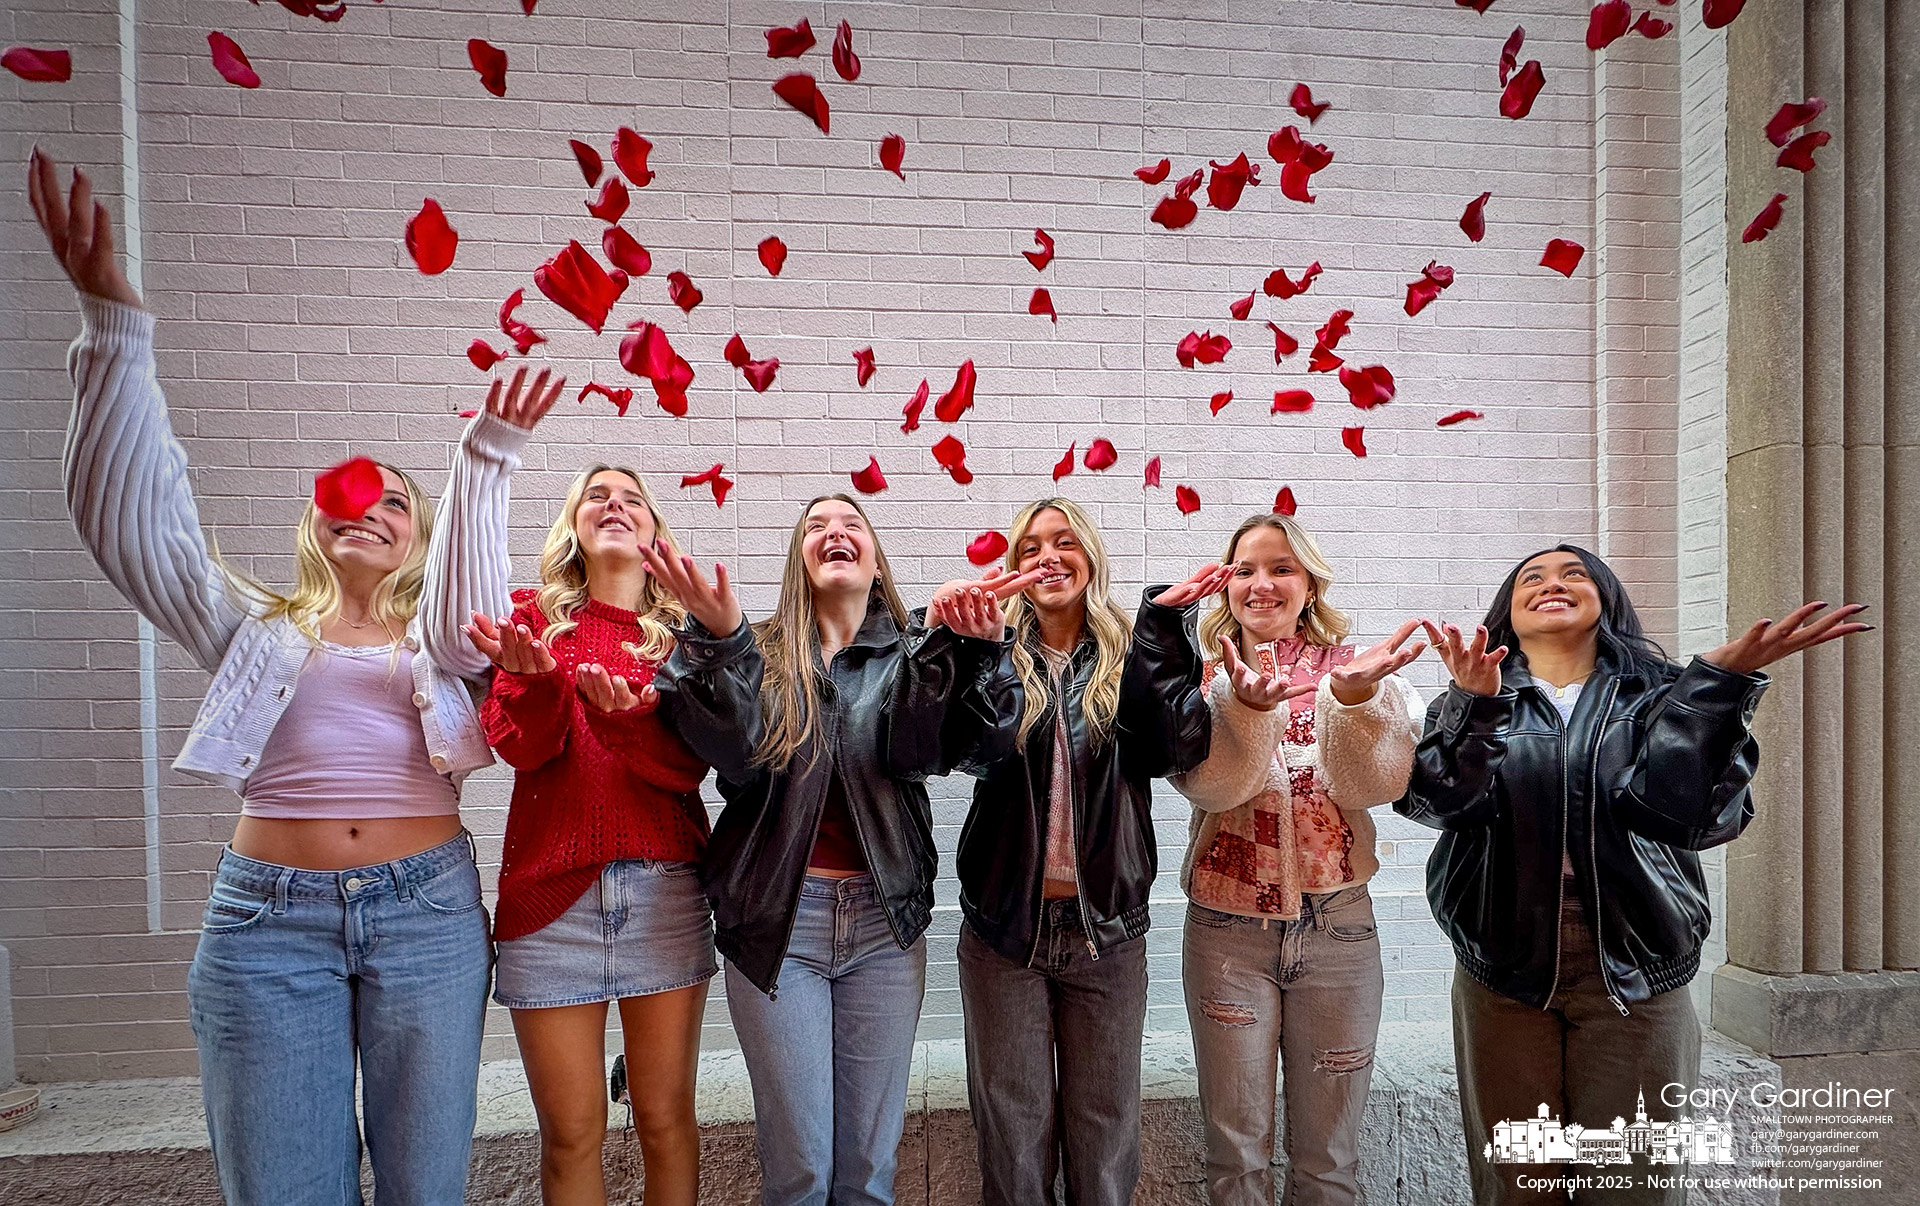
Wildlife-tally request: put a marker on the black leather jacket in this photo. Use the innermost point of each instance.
(895, 708)
(1643, 775)
(1162, 728)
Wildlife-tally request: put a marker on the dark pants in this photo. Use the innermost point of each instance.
(1579, 1056)
(1053, 1064)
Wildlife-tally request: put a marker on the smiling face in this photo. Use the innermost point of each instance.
(378, 542)
(838, 549)
(1269, 586)
(613, 519)
(1051, 545)
(1554, 597)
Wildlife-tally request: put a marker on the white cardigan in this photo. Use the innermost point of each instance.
(127, 489)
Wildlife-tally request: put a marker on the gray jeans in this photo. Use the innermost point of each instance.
(1300, 996)
(1053, 1064)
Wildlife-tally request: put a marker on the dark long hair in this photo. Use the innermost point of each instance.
(1622, 641)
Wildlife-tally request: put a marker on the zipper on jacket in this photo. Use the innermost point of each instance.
(1565, 856)
(1593, 845)
(1075, 802)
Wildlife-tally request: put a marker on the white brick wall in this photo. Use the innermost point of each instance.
(294, 331)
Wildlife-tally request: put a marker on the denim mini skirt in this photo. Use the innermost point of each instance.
(643, 927)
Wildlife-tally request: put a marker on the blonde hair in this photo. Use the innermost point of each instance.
(563, 574)
(790, 643)
(1112, 629)
(1320, 622)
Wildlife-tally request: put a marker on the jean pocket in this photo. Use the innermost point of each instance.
(452, 892)
(675, 869)
(230, 909)
(1349, 915)
(1213, 919)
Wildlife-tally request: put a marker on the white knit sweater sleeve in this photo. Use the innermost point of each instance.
(467, 565)
(1366, 750)
(127, 488)
(1239, 756)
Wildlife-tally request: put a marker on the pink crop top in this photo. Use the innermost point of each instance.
(350, 745)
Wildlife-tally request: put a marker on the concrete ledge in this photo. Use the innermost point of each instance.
(1818, 1015)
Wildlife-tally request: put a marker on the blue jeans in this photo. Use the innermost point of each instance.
(829, 1058)
(300, 972)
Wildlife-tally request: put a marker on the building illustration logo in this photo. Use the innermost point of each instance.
(1546, 1140)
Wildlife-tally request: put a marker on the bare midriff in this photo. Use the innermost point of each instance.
(335, 844)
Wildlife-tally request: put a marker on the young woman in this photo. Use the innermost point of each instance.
(1573, 783)
(345, 924)
(1057, 859)
(1282, 959)
(823, 726)
(599, 896)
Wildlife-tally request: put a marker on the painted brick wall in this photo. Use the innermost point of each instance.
(294, 331)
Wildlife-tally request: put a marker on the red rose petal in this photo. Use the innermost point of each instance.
(612, 201)
(773, 254)
(1420, 295)
(1322, 359)
(526, 6)
(1212, 349)
(735, 353)
(1152, 475)
(870, 480)
(1185, 498)
(1473, 221)
(710, 477)
(349, 489)
(1718, 14)
(1478, 6)
(1283, 343)
(845, 63)
(620, 395)
(951, 455)
(1302, 102)
(1440, 274)
(430, 240)
(1041, 258)
(1101, 455)
(648, 353)
(1154, 174)
(1042, 303)
(624, 252)
(1279, 285)
(38, 66)
(1792, 116)
(1218, 402)
(1335, 329)
(790, 42)
(1242, 307)
(231, 61)
(574, 281)
(986, 548)
(1291, 401)
(1517, 100)
(1368, 387)
(1297, 175)
(1174, 212)
(1230, 180)
(1284, 145)
(1355, 438)
(1065, 465)
(1459, 416)
(630, 153)
(468, 414)
(1651, 27)
(481, 353)
(1188, 185)
(523, 335)
(958, 400)
(1185, 350)
(914, 406)
(491, 62)
(893, 152)
(800, 91)
(1607, 22)
(682, 292)
(1798, 154)
(1510, 53)
(1283, 502)
(591, 165)
(863, 369)
(759, 373)
(1562, 255)
(1765, 220)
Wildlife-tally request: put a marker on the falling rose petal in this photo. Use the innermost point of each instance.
(800, 91)
(1562, 255)
(574, 281)
(1791, 117)
(1279, 285)
(1155, 173)
(1065, 465)
(863, 369)
(231, 61)
(682, 292)
(986, 548)
(670, 391)
(1651, 27)
(950, 454)
(1510, 53)
(1101, 455)
(1368, 387)
(619, 395)
(1322, 359)
(1765, 220)
(1219, 401)
(1152, 475)
(1212, 349)
(1042, 303)
(491, 62)
(735, 353)
(647, 352)
(710, 477)
(958, 400)
(1478, 6)
(612, 201)
(1041, 258)
(523, 335)
(624, 252)
(870, 480)
(893, 152)
(526, 6)
(1284, 145)
(1473, 222)
(1517, 100)
(1718, 14)
(1440, 274)
(914, 406)
(846, 64)
(773, 254)
(630, 153)
(1186, 499)
(1230, 180)
(468, 414)
(1355, 438)
(591, 165)
(1187, 186)
(759, 373)
(1283, 343)
(1302, 102)
(790, 42)
(1335, 329)
(1185, 350)
(1459, 416)
(1283, 502)
(1798, 154)
(1420, 295)
(1607, 22)
(38, 66)
(1174, 212)
(1296, 175)
(430, 241)
(349, 489)
(1292, 401)
(482, 354)
(1243, 306)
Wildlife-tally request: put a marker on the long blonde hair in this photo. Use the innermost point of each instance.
(1320, 622)
(790, 643)
(563, 574)
(1112, 629)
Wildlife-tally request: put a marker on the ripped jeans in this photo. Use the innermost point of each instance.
(1299, 996)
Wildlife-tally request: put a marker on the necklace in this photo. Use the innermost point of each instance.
(369, 622)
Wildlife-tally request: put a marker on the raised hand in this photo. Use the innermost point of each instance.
(971, 612)
(1001, 584)
(523, 410)
(1474, 667)
(610, 692)
(1768, 640)
(79, 229)
(713, 604)
(1209, 579)
(512, 647)
(1354, 683)
(1260, 691)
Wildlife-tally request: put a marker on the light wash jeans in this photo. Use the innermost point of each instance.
(1304, 995)
(829, 1059)
(300, 972)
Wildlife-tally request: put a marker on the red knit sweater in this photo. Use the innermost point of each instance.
(590, 787)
